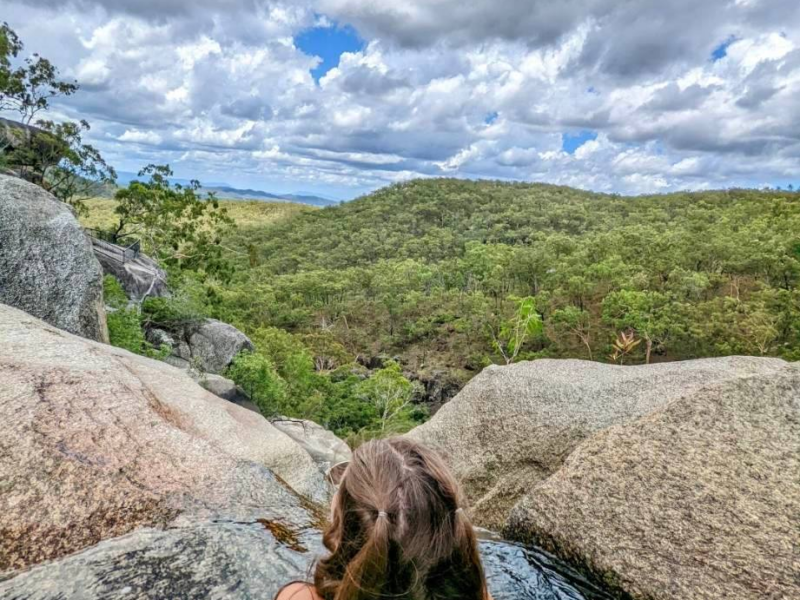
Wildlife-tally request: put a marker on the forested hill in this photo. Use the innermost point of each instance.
(434, 273)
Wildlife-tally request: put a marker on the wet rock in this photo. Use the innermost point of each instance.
(700, 498)
(47, 267)
(438, 388)
(219, 559)
(512, 427)
(97, 442)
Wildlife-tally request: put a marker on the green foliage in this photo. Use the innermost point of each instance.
(281, 379)
(125, 321)
(52, 155)
(511, 334)
(29, 88)
(125, 330)
(449, 276)
(124, 324)
(56, 158)
(188, 301)
(428, 271)
(647, 313)
(392, 396)
(176, 226)
(113, 294)
(256, 375)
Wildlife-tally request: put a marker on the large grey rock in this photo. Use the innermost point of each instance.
(97, 442)
(121, 478)
(210, 345)
(138, 274)
(47, 267)
(216, 560)
(512, 427)
(324, 446)
(698, 499)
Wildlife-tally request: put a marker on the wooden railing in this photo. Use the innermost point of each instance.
(120, 253)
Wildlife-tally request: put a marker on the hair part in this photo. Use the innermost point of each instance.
(396, 530)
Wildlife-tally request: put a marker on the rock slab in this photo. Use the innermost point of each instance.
(97, 442)
(47, 267)
(512, 427)
(698, 499)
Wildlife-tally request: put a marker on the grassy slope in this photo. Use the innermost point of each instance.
(247, 214)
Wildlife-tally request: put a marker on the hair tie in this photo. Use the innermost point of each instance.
(382, 513)
(459, 510)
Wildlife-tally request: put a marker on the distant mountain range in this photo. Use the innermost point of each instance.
(228, 192)
(232, 193)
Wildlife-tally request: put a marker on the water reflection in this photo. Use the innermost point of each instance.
(517, 572)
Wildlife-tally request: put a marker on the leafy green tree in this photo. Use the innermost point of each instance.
(511, 334)
(328, 353)
(56, 158)
(10, 47)
(175, 224)
(52, 155)
(125, 321)
(29, 88)
(392, 395)
(259, 379)
(572, 322)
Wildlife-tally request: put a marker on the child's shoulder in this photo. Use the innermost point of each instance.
(298, 591)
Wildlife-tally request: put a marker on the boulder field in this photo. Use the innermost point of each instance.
(668, 481)
(98, 442)
(47, 266)
(120, 477)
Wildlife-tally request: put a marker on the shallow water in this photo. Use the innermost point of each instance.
(516, 572)
(251, 560)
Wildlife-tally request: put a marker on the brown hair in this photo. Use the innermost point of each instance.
(398, 530)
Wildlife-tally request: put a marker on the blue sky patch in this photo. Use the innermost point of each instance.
(491, 117)
(328, 43)
(572, 141)
(721, 51)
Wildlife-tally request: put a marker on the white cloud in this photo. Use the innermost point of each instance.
(448, 87)
(140, 137)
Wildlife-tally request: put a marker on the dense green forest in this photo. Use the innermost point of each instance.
(430, 271)
(447, 276)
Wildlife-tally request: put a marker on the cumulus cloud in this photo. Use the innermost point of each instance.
(675, 93)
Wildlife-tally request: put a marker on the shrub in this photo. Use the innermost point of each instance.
(256, 375)
(125, 322)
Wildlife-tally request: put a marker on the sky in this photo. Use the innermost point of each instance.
(340, 97)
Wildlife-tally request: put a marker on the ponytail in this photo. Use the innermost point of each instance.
(366, 574)
(467, 559)
(397, 530)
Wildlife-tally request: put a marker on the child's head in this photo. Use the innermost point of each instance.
(398, 530)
